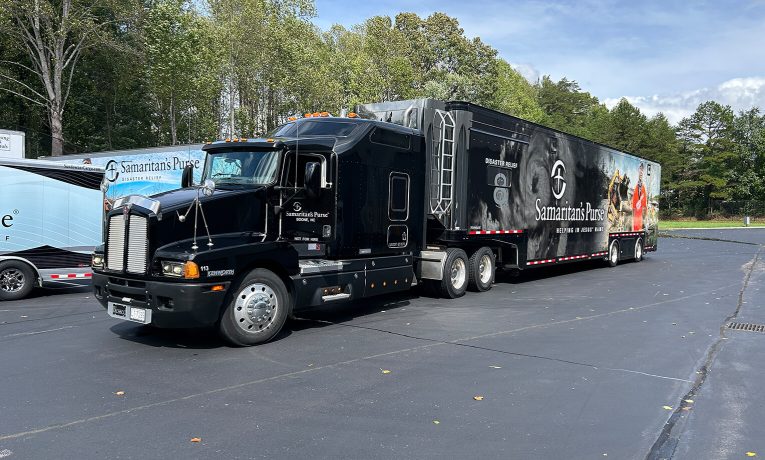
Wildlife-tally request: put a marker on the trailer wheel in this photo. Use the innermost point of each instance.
(257, 309)
(16, 280)
(481, 275)
(455, 277)
(613, 254)
(638, 250)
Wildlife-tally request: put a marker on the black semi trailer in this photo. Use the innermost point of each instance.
(335, 209)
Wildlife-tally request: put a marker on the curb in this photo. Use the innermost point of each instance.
(711, 228)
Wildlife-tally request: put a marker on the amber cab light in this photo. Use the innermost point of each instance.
(190, 270)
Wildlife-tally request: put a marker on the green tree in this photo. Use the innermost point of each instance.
(706, 143)
(749, 145)
(180, 67)
(566, 107)
(270, 51)
(53, 35)
(625, 128)
(514, 94)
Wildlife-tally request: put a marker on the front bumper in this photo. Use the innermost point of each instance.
(172, 304)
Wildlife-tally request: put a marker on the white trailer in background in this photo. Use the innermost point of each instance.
(142, 171)
(12, 144)
(51, 217)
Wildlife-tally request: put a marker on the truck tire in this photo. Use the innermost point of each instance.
(481, 270)
(16, 280)
(257, 309)
(613, 254)
(639, 250)
(455, 277)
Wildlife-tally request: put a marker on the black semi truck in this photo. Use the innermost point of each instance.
(328, 210)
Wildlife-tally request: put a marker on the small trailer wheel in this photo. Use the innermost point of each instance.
(482, 267)
(613, 254)
(455, 276)
(638, 250)
(257, 309)
(16, 280)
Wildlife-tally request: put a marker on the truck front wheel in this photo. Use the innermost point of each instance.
(16, 280)
(256, 310)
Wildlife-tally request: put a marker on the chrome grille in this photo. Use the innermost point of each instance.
(137, 244)
(115, 243)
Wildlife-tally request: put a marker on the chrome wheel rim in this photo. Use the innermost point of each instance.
(614, 254)
(11, 280)
(485, 268)
(458, 273)
(255, 307)
(638, 251)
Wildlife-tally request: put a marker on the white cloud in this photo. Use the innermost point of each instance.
(739, 93)
(527, 71)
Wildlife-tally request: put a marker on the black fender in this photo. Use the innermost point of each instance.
(232, 256)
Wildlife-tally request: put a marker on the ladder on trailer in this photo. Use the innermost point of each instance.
(442, 164)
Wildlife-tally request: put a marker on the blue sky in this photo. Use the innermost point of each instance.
(663, 56)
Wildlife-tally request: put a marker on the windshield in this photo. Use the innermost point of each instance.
(242, 167)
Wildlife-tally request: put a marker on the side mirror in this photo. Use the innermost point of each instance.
(208, 187)
(312, 179)
(187, 179)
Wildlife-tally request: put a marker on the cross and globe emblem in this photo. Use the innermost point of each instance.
(111, 171)
(558, 181)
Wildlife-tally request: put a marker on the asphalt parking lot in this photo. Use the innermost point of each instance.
(574, 362)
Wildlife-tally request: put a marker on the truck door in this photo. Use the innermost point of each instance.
(306, 218)
(398, 210)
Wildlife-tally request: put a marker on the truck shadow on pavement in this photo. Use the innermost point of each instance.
(330, 315)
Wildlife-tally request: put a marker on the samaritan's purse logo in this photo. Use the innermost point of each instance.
(558, 181)
(111, 171)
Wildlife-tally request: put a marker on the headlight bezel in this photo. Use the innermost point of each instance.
(179, 269)
(97, 260)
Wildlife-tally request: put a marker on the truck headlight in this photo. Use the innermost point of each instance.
(189, 269)
(97, 261)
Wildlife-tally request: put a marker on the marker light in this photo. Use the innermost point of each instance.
(190, 270)
(352, 115)
(291, 118)
(308, 115)
(324, 114)
(316, 114)
(269, 140)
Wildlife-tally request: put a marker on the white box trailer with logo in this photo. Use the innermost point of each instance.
(142, 171)
(51, 218)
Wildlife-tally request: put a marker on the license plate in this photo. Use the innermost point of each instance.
(136, 314)
(119, 310)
